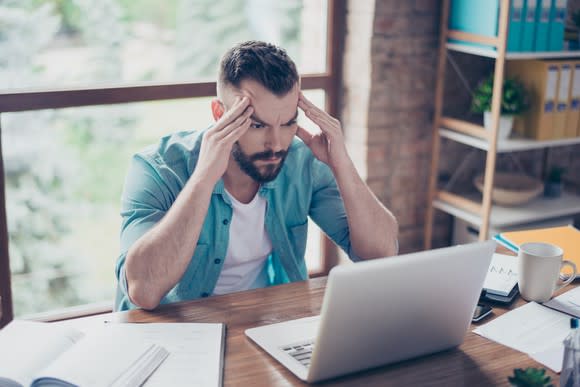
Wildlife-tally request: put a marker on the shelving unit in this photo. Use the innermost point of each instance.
(506, 145)
(478, 209)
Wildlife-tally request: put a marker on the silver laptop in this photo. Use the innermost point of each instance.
(383, 311)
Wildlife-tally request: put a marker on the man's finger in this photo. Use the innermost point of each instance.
(237, 109)
(306, 102)
(237, 132)
(316, 117)
(241, 119)
(311, 109)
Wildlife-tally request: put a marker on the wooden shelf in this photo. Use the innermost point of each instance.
(506, 145)
(501, 216)
(491, 53)
(477, 210)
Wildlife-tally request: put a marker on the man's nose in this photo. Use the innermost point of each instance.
(274, 139)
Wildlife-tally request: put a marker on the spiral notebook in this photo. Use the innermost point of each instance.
(502, 276)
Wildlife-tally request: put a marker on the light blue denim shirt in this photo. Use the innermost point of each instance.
(305, 187)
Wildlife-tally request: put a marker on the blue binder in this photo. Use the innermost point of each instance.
(514, 39)
(544, 8)
(474, 16)
(481, 17)
(557, 22)
(529, 26)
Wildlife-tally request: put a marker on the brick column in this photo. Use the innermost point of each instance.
(389, 82)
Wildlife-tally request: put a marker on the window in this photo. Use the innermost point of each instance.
(65, 155)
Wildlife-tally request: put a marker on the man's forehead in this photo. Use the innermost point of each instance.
(267, 106)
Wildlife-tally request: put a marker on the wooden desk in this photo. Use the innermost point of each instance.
(477, 362)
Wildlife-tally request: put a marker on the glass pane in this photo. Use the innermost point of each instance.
(64, 175)
(63, 43)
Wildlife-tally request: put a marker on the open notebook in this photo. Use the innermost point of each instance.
(35, 353)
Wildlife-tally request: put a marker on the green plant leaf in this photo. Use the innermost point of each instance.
(515, 98)
(530, 377)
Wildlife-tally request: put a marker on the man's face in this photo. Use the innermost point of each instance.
(261, 151)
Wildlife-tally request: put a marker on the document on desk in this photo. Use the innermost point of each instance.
(533, 329)
(568, 302)
(196, 352)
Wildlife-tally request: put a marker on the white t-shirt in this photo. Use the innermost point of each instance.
(249, 247)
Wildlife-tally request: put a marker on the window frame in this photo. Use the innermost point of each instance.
(27, 100)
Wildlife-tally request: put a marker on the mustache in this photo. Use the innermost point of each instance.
(268, 155)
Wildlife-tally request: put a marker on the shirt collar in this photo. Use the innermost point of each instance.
(219, 188)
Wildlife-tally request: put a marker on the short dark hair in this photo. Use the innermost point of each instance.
(262, 62)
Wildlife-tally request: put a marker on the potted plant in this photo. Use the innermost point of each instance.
(514, 101)
(554, 185)
(530, 377)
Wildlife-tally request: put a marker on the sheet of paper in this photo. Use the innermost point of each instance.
(195, 352)
(568, 302)
(502, 275)
(552, 357)
(532, 329)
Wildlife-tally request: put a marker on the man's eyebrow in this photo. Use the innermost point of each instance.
(255, 118)
(293, 118)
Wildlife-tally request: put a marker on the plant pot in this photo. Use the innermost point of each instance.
(553, 189)
(506, 122)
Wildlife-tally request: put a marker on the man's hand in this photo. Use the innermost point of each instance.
(328, 145)
(218, 140)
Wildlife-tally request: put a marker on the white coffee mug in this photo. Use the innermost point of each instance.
(539, 270)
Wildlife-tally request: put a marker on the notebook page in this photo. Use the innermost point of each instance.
(28, 346)
(99, 359)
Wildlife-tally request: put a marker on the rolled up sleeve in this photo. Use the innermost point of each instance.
(327, 208)
(145, 200)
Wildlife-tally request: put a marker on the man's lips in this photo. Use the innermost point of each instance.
(270, 159)
(269, 156)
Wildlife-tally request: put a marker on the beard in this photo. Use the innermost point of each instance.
(263, 174)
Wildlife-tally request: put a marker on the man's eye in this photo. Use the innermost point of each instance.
(290, 124)
(256, 125)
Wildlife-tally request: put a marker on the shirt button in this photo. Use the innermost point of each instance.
(225, 222)
(204, 294)
(217, 261)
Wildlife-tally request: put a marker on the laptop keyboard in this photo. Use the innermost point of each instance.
(301, 352)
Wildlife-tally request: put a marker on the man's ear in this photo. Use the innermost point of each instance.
(217, 109)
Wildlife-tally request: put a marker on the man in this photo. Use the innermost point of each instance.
(226, 209)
